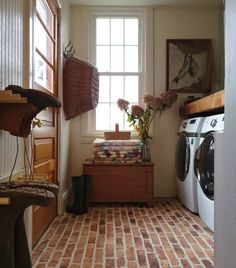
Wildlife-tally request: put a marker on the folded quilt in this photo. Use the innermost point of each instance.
(116, 151)
(116, 147)
(118, 158)
(117, 161)
(113, 154)
(102, 142)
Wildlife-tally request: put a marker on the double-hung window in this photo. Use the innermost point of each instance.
(118, 55)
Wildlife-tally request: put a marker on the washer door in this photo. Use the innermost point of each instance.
(182, 157)
(196, 163)
(206, 165)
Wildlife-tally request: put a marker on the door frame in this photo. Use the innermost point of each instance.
(29, 13)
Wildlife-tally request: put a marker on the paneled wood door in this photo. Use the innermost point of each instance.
(45, 79)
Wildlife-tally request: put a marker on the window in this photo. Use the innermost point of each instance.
(118, 56)
(119, 40)
(45, 36)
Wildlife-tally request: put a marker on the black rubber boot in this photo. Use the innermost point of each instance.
(78, 186)
(87, 187)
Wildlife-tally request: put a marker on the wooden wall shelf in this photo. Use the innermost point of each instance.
(6, 96)
(207, 104)
(19, 106)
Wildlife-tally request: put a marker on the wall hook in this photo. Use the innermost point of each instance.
(69, 50)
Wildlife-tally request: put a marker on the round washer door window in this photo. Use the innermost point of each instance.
(206, 166)
(182, 157)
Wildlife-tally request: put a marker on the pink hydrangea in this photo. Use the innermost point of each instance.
(168, 98)
(147, 98)
(122, 104)
(137, 110)
(140, 118)
(156, 103)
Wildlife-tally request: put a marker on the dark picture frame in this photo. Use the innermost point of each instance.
(189, 63)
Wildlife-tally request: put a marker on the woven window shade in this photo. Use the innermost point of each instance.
(80, 87)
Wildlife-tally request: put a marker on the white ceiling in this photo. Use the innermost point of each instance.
(146, 2)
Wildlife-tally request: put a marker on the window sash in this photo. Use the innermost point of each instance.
(124, 74)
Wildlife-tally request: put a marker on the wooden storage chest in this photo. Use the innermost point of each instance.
(120, 182)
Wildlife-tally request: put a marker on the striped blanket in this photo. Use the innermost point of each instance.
(101, 142)
(116, 151)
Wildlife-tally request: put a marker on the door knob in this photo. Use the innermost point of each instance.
(37, 122)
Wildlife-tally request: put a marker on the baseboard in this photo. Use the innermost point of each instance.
(66, 198)
(19, 173)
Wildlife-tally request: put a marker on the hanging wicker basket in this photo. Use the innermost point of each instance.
(80, 87)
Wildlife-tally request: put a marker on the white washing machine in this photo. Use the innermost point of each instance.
(204, 167)
(187, 144)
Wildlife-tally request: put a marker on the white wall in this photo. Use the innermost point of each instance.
(225, 156)
(11, 72)
(80, 148)
(64, 126)
(169, 22)
(177, 23)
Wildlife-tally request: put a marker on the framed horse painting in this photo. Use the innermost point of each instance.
(189, 65)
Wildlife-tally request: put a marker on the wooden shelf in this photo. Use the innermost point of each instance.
(6, 96)
(19, 106)
(204, 105)
(5, 201)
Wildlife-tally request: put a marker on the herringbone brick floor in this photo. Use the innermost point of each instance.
(124, 235)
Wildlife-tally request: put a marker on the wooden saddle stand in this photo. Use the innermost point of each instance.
(18, 107)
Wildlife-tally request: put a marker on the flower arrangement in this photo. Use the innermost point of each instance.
(141, 118)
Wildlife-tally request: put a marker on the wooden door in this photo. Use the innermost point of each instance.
(45, 79)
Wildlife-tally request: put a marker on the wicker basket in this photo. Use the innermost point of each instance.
(123, 135)
(117, 135)
(80, 87)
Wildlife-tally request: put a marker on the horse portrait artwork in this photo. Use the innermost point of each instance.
(189, 65)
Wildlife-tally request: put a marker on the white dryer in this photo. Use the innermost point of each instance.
(187, 144)
(204, 167)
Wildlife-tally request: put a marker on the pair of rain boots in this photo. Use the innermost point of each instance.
(80, 188)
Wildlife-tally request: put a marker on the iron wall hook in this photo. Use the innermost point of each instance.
(69, 50)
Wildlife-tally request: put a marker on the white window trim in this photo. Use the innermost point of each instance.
(146, 61)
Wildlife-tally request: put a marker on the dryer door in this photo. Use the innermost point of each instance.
(196, 163)
(182, 156)
(206, 165)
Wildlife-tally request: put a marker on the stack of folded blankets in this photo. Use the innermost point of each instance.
(116, 151)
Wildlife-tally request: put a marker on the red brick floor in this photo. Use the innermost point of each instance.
(112, 235)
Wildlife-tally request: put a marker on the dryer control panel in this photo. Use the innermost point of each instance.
(213, 123)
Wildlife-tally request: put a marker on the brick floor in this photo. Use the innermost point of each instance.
(126, 235)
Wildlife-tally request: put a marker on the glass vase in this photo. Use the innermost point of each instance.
(145, 152)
